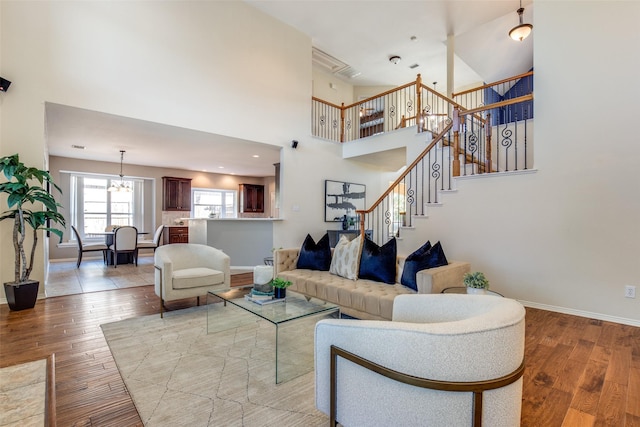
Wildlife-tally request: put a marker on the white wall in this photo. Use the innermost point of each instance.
(200, 65)
(330, 88)
(568, 236)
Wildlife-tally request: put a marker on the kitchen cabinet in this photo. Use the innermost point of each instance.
(176, 194)
(176, 235)
(251, 198)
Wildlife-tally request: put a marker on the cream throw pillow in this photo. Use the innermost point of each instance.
(346, 258)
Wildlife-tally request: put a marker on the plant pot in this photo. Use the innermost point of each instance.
(21, 296)
(279, 293)
(476, 291)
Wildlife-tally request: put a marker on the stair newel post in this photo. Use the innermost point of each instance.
(361, 216)
(419, 118)
(455, 167)
(342, 122)
(487, 124)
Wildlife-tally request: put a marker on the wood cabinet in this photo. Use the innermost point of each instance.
(251, 198)
(176, 194)
(176, 235)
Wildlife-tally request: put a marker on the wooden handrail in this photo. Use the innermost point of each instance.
(406, 172)
(443, 97)
(313, 98)
(517, 100)
(488, 85)
(380, 95)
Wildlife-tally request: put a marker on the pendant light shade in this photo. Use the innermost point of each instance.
(122, 187)
(521, 31)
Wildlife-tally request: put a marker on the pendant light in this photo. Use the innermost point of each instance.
(521, 31)
(122, 187)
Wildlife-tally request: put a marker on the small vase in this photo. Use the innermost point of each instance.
(345, 223)
(476, 291)
(279, 293)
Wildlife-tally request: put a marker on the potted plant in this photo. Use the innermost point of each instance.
(25, 192)
(475, 282)
(280, 287)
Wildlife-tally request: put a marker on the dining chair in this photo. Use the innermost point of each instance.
(125, 240)
(152, 244)
(92, 247)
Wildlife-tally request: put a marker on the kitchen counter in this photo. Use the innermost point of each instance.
(247, 241)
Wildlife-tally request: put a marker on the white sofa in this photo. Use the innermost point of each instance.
(363, 299)
(187, 270)
(444, 337)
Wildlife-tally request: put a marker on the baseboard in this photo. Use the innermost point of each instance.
(582, 313)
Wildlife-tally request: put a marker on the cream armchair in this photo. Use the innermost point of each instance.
(436, 347)
(187, 270)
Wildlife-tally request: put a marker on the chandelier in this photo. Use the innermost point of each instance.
(521, 31)
(122, 187)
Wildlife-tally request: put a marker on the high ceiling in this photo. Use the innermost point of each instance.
(363, 34)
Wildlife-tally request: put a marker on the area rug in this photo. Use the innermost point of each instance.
(179, 375)
(23, 390)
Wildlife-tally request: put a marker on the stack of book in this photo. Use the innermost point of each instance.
(261, 298)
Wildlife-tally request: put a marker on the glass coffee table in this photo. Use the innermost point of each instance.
(294, 321)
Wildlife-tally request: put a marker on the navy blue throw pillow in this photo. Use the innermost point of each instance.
(315, 256)
(378, 262)
(426, 256)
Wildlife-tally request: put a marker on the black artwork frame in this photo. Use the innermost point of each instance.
(343, 198)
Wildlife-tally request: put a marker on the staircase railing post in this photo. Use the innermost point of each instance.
(455, 167)
(342, 122)
(419, 117)
(487, 124)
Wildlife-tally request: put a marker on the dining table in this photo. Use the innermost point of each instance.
(123, 258)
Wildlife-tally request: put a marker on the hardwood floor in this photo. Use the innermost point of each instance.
(579, 372)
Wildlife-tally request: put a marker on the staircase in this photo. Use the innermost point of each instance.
(480, 131)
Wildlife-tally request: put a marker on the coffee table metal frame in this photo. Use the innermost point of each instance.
(295, 308)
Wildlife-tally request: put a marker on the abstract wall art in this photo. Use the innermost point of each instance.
(342, 198)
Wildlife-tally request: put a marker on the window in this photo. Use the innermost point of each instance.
(213, 203)
(93, 208)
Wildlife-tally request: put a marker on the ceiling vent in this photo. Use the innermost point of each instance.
(331, 64)
(348, 72)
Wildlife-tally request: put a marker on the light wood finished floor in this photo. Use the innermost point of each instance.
(579, 372)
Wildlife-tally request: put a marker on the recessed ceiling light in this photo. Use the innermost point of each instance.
(255, 156)
(220, 167)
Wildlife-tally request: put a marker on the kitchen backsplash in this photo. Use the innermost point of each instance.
(174, 218)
